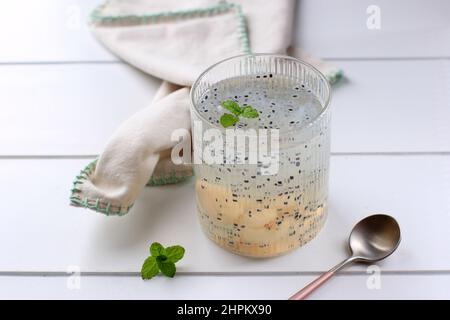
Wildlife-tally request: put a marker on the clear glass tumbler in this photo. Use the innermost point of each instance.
(252, 201)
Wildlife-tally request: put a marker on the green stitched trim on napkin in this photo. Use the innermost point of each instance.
(96, 204)
(106, 207)
(334, 76)
(221, 7)
(171, 178)
(243, 31)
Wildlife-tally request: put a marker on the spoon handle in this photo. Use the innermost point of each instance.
(306, 291)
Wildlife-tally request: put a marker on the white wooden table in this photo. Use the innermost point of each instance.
(62, 95)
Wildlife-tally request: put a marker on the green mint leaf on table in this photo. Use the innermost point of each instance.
(156, 249)
(249, 112)
(167, 268)
(149, 268)
(232, 106)
(161, 259)
(228, 120)
(175, 253)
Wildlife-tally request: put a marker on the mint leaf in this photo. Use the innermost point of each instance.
(249, 112)
(161, 259)
(156, 249)
(167, 268)
(149, 268)
(228, 120)
(232, 106)
(175, 253)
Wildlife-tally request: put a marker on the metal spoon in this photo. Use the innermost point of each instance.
(372, 239)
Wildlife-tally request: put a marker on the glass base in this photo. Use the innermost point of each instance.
(280, 241)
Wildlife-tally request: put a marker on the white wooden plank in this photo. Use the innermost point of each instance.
(56, 30)
(222, 287)
(48, 30)
(35, 214)
(392, 106)
(67, 109)
(338, 29)
(384, 106)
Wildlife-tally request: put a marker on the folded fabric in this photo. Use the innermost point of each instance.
(174, 41)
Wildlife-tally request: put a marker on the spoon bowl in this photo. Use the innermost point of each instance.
(374, 238)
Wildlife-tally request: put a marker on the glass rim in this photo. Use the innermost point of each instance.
(308, 124)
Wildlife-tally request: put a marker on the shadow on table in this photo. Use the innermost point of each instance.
(158, 213)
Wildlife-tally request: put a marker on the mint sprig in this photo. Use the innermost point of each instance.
(249, 112)
(230, 119)
(156, 249)
(232, 106)
(161, 259)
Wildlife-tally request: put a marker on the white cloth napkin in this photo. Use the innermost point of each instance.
(174, 41)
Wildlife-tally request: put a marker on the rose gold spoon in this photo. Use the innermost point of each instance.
(372, 239)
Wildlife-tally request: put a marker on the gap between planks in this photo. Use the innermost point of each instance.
(222, 274)
(334, 154)
(331, 59)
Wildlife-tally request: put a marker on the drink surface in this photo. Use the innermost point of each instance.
(282, 103)
(251, 213)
